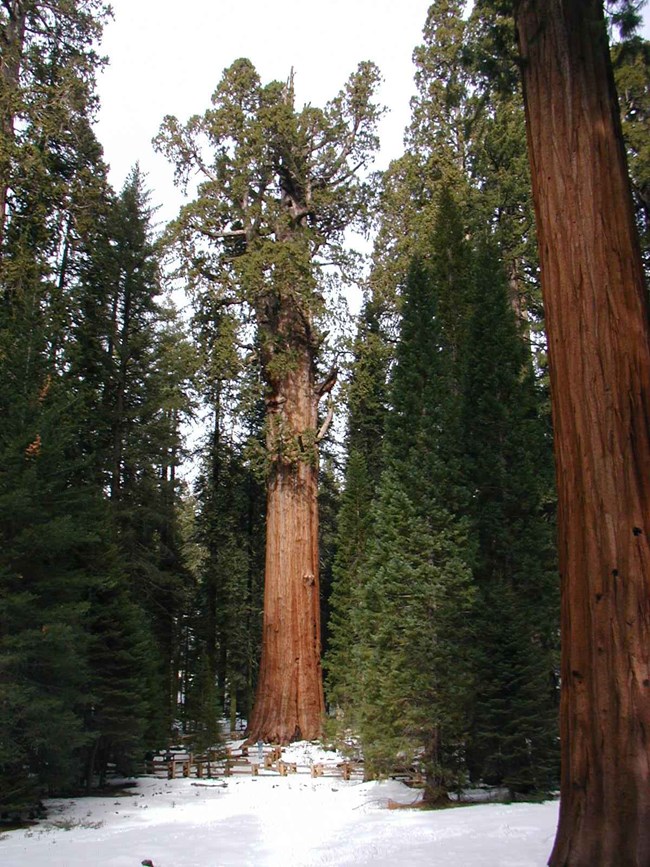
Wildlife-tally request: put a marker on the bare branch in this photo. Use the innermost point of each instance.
(328, 383)
(217, 236)
(328, 420)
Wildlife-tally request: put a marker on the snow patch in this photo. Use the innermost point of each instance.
(273, 821)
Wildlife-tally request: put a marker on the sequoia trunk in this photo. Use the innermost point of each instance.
(289, 704)
(599, 348)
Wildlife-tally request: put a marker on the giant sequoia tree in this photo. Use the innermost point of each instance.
(599, 345)
(277, 189)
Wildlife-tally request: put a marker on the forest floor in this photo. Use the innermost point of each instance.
(273, 821)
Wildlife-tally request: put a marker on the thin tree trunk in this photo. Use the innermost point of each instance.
(289, 704)
(211, 628)
(12, 39)
(252, 615)
(119, 426)
(599, 348)
(517, 297)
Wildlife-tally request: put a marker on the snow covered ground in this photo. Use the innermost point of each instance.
(268, 821)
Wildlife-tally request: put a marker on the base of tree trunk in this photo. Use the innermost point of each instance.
(289, 704)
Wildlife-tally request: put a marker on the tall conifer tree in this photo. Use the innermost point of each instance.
(415, 589)
(367, 406)
(507, 468)
(278, 189)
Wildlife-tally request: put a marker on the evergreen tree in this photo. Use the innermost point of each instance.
(47, 77)
(367, 406)
(150, 369)
(415, 585)
(341, 664)
(508, 472)
(278, 189)
(441, 198)
(63, 270)
(328, 507)
(53, 529)
(230, 512)
(367, 393)
(52, 552)
(203, 707)
(230, 530)
(415, 598)
(121, 681)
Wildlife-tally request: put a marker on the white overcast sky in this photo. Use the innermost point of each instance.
(167, 58)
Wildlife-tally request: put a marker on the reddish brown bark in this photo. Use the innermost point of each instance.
(289, 704)
(599, 348)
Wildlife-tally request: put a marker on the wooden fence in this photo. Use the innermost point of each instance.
(253, 761)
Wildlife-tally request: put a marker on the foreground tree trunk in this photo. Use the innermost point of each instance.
(599, 347)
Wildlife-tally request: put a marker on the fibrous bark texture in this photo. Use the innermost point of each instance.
(289, 704)
(599, 348)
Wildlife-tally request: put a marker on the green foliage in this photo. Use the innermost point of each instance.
(230, 532)
(508, 469)
(403, 591)
(443, 109)
(345, 632)
(366, 401)
(466, 177)
(416, 599)
(122, 674)
(625, 16)
(278, 188)
(328, 508)
(203, 709)
(51, 553)
(447, 592)
(91, 405)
